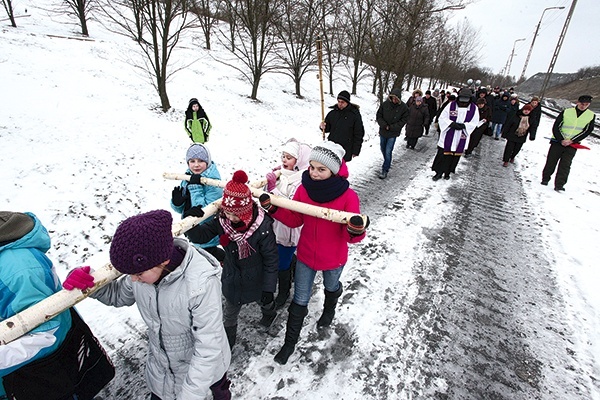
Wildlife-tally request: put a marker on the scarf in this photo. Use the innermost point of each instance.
(451, 132)
(325, 190)
(241, 238)
(523, 126)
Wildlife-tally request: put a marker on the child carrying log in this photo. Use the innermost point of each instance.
(294, 161)
(191, 196)
(250, 267)
(323, 245)
(178, 294)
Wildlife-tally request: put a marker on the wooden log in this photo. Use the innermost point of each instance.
(341, 217)
(19, 324)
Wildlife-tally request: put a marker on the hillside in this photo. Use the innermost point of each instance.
(562, 87)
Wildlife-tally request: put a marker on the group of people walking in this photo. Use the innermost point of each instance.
(464, 117)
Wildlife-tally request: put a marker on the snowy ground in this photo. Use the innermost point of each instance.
(483, 286)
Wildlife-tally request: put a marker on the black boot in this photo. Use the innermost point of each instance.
(331, 299)
(231, 332)
(437, 176)
(294, 326)
(268, 314)
(285, 283)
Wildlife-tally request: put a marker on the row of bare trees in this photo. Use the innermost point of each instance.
(398, 42)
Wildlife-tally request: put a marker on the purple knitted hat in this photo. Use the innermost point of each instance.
(142, 242)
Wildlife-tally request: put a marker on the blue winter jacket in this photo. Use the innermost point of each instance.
(26, 278)
(202, 195)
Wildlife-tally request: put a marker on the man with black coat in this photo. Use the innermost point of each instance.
(391, 117)
(345, 126)
(431, 103)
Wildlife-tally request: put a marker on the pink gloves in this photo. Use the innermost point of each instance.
(271, 181)
(79, 278)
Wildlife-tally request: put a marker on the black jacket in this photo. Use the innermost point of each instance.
(346, 128)
(393, 116)
(509, 130)
(243, 281)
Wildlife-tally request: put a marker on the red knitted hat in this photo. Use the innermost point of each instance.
(237, 198)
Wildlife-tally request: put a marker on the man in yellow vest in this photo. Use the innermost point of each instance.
(570, 128)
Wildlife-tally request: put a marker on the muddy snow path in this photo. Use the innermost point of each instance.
(455, 301)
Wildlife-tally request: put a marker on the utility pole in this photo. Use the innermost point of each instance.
(557, 50)
(537, 29)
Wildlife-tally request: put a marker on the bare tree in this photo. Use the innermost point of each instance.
(81, 10)
(206, 11)
(332, 38)
(10, 12)
(356, 20)
(157, 26)
(255, 20)
(297, 32)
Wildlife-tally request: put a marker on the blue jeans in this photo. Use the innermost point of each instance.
(305, 278)
(497, 129)
(387, 147)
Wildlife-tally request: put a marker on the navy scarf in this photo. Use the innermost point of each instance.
(325, 190)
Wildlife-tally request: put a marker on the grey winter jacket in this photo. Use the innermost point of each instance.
(188, 349)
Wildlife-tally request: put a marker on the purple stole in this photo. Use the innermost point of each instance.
(451, 132)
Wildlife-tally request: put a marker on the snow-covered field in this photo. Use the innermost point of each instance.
(83, 147)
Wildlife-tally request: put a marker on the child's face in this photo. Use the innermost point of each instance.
(288, 161)
(318, 171)
(232, 217)
(151, 275)
(195, 107)
(197, 166)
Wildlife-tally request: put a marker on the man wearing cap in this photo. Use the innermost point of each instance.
(570, 127)
(345, 126)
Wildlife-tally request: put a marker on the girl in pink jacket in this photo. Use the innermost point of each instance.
(323, 245)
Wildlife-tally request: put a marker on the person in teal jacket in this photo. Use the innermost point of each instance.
(26, 278)
(197, 124)
(189, 197)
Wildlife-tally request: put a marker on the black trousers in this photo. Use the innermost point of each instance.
(563, 156)
(511, 150)
(475, 138)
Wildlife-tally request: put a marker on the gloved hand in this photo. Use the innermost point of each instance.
(177, 196)
(265, 203)
(356, 226)
(79, 278)
(457, 125)
(195, 179)
(195, 211)
(271, 181)
(266, 298)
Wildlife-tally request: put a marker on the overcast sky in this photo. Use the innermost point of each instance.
(501, 22)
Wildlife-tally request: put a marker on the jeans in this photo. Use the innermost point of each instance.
(387, 147)
(497, 129)
(305, 278)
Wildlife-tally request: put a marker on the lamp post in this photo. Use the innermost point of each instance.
(537, 29)
(510, 58)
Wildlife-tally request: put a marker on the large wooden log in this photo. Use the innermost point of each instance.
(329, 214)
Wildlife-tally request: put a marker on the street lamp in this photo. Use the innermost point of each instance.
(533, 40)
(512, 54)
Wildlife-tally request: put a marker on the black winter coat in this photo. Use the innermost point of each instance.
(393, 116)
(243, 281)
(534, 120)
(509, 130)
(418, 117)
(431, 105)
(346, 128)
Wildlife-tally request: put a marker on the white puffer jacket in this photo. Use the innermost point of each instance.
(188, 349)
